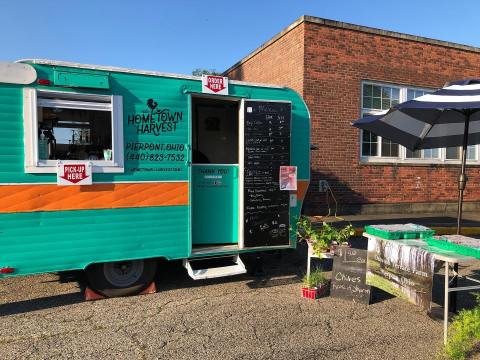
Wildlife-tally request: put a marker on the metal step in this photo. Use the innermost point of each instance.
(211, 272)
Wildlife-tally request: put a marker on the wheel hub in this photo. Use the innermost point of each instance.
(123, 273)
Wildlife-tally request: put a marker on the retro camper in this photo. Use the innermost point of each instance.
(108, 169)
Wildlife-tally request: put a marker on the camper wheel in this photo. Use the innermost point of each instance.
(121, 278)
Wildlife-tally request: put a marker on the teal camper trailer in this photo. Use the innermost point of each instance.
(107, 170)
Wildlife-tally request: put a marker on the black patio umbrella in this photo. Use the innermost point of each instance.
(445, 118)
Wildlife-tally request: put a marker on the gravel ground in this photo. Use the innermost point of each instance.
(241, 317)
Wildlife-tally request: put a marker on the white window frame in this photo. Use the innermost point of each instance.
(402, 152)
(111, 103)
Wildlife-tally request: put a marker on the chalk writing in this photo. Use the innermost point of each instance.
(348, 276)
(267, 147)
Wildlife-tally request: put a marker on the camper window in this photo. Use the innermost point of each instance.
(72, 127)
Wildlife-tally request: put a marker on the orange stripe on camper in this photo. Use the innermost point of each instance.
(302, 187)
(27, 198)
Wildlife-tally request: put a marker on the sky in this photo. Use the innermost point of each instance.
(178, 36)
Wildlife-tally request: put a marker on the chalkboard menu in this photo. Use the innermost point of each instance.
(267, 147)
(348, 275)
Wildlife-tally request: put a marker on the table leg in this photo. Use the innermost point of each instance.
(308, 264)
(445, 305)
(453, 295)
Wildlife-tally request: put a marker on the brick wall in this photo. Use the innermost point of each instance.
(335, 61)
(279, 63)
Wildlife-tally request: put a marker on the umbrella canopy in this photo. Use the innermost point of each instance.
(432, 120)
(447, 117)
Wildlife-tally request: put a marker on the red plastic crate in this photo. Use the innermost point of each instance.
(314, 294)
(309, 293)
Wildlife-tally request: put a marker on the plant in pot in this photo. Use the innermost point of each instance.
(324, 238)
(340, 237)
(314, 285)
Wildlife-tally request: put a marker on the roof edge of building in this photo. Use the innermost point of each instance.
(394, 34)
(348, 26)
(266, 44)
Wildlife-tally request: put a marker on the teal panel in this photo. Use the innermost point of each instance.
(73, 79)
(214, 204)
(66, 240)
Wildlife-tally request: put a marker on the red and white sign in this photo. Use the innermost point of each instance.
(213, 84)
(74, 173)
(288, 178)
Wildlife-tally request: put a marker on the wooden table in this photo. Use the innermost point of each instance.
(450, 258)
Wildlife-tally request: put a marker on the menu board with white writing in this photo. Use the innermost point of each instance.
(267, 147)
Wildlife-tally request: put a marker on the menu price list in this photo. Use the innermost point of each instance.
(267, 147)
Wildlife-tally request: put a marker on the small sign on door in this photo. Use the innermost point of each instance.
(74, 173)
(288, 178)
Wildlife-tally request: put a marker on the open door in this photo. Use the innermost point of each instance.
(265, 147)
(215, 172)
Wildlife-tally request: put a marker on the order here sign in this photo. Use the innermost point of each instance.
(213, 84)
(74, 173)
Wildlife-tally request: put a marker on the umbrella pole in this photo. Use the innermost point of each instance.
(462, 179)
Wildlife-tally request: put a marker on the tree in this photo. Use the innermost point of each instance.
(200, 72)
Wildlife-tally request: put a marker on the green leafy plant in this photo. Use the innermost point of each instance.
(316, 279)
(323, 237)
(464, 333)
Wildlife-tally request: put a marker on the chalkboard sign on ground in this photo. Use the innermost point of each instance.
(349, 274)
(267, 147)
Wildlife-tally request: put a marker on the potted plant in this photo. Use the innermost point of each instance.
(314, 285)
(325, 238)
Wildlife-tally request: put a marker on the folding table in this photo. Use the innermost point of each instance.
(450, 258)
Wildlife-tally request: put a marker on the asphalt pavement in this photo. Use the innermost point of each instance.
(242, 317)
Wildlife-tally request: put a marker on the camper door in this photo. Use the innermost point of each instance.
(264, 154)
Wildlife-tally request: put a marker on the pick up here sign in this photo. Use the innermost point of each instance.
(74, 173)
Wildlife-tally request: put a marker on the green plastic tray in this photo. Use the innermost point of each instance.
(459, 249)
(397, 235)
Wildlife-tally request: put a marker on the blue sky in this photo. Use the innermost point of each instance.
(178, 36)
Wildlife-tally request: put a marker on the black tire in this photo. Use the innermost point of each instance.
(121, 278)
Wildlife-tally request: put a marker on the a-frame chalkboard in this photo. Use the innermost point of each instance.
(266, 217)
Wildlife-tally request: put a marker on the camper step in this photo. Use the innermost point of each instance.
(214, 267)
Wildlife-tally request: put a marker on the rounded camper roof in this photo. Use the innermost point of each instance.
(134, 71)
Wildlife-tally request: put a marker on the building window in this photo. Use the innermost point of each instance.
(455, 153)
(389, 148)
(377, 97)
(414, 93)
(422, 154)
(72, 127)
(369, 144)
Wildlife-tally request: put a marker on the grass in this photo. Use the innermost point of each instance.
(464, 334)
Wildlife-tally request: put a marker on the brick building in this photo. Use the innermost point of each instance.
(343, 71)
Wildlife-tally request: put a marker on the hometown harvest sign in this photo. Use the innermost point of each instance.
(74, 173)
(213, 84)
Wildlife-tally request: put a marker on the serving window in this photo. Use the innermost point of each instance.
(72, 127)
